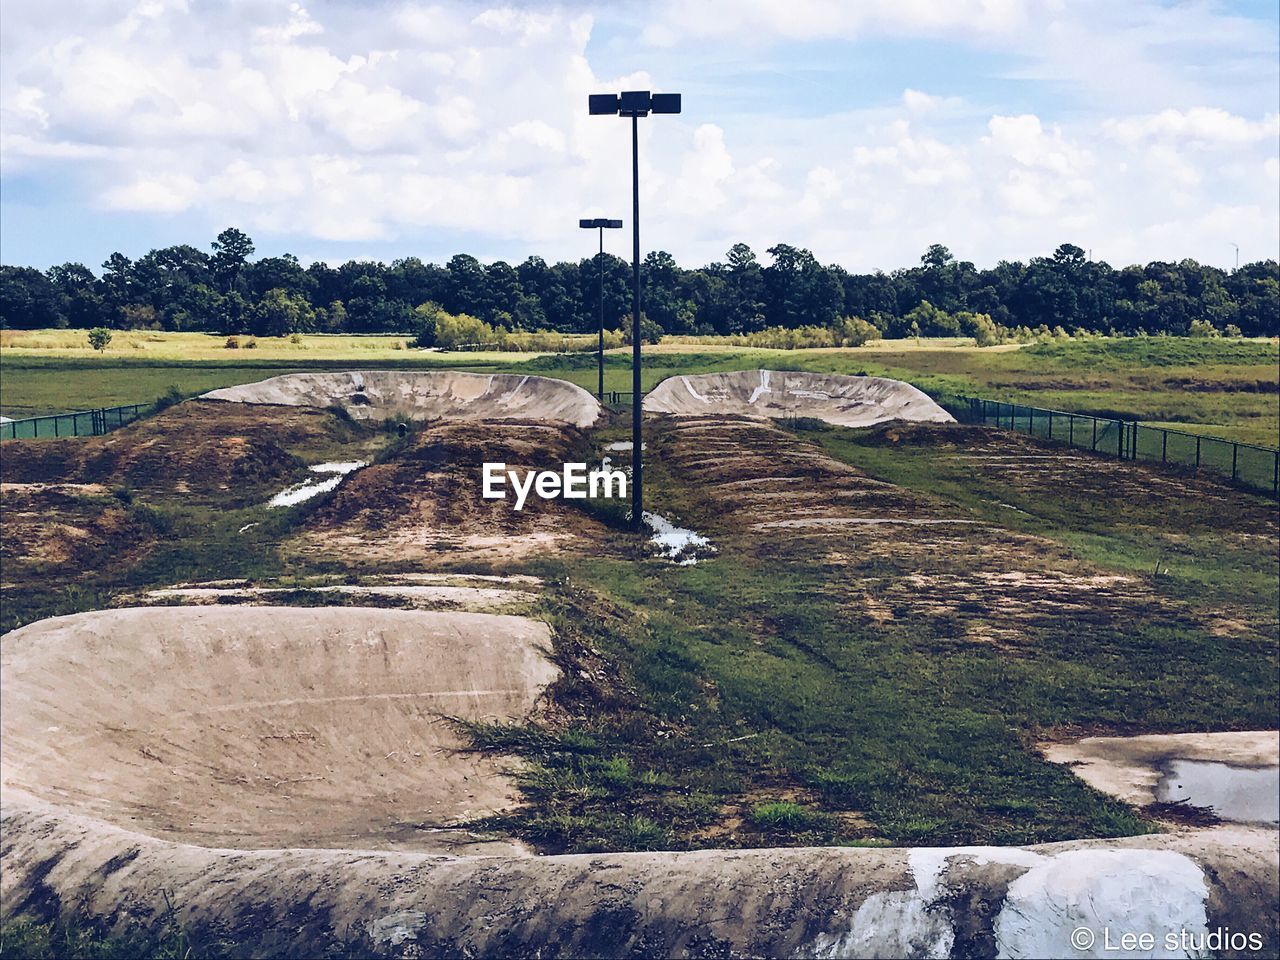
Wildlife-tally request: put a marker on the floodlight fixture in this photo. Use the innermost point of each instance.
(602, 224)
(634, 104)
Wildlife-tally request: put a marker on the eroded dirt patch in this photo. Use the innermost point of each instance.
(911, 558)
(223, 450)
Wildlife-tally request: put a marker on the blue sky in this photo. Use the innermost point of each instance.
(862, 130)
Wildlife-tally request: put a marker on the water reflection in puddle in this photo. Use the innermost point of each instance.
(1242, 794)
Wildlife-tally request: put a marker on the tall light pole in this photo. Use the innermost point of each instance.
(1237, 246)
(601, 224)
(634, 104)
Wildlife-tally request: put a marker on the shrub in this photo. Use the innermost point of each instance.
(233, 343)
(251, 344)
(99, 337)
(169, 398)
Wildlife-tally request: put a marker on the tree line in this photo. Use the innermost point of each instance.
(792, 296)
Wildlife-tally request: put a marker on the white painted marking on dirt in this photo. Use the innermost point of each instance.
(395, 928)
(894, 924)
(678, 544)
(692, 392)
(351, 698)
(337, 466)
(621, 446)
(247, 526)
(301, 492)
(763, 388)
(1129, 890)
(1139, 890)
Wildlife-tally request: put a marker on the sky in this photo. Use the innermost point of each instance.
(864, 130)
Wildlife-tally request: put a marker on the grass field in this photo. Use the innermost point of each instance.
(1227, 388)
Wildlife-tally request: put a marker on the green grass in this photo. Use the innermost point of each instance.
(1220, 387)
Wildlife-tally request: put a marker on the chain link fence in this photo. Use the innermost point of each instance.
(1249, 465)
(82, 423)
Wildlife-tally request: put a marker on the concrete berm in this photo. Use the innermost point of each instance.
(425, 395)
(765, 394)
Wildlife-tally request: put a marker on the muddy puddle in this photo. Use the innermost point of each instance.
(1239, 794)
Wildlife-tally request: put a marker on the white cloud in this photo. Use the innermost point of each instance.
(761, 20)
(1199, 124)
(332, 123)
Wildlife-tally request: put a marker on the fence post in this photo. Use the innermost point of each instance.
(1120, 439)
(1071, 429)
(1197, 452)
(1235, 452)
(1095, 433)
(1050, 424)
(1164, 446)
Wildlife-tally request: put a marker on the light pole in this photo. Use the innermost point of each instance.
(601, 224)
(634, 104)
(1237, 246)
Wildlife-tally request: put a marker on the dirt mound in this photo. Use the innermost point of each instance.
(190, 447)
(426, 503)
(427, 395)
(814, 902)
(268, 726)
(844, 401)
(765, 491)
(64, 530)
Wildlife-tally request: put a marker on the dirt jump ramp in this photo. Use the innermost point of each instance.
(425, 395)
(766, 394)
(250, 727)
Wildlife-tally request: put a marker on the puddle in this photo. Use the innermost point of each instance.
(680, 545)
(300, 492)
(1240, 794)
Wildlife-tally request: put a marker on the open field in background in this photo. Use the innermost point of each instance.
(1227, 388)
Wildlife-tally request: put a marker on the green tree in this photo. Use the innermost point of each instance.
(99, 337)
(280, 313)
(231, 251)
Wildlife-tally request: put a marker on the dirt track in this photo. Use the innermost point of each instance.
(268, 726)
(844, 401)
(429, 395)
(261, 728)
(765, 490)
